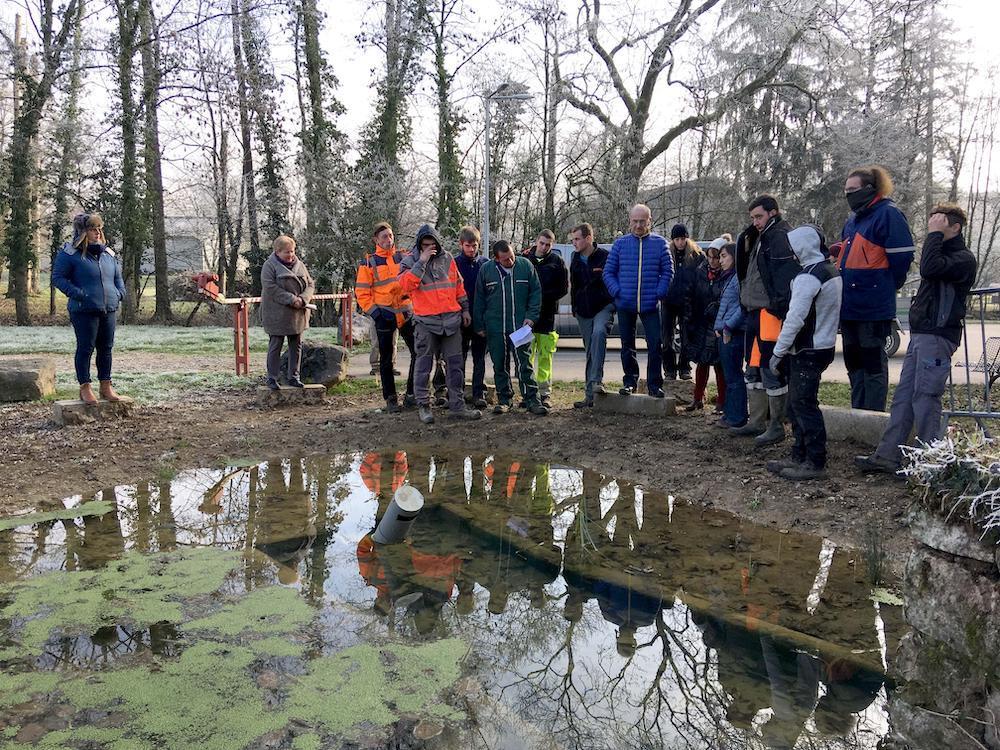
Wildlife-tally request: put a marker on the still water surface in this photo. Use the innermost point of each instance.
(600, 614)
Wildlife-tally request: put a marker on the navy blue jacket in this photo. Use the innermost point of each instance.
(92, 283)
(638, 272)
(469, 268)
(587, 291)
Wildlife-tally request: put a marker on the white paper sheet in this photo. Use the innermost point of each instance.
(521, 336)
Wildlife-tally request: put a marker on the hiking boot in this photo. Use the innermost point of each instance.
(657, 393)
(685, 375)
(440, 401)
(626, 390)
(778, 465)
(584, 404)
(803, 472)
(875, 464)
(296, 383)
(479, 402)
(88, 397)
(758, 413)
(392, 406)
(695, 406)
(538, 409)
(467, 414)
(670, 375)
(270, 383)
(522, 404)
(501, 408)
(409, 401)
(775, 432)
(425, 414)
(546, 401)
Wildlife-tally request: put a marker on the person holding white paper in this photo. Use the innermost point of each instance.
(508, 297)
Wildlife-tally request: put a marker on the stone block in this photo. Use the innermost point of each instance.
(918, 727)
(73, 412)
(321, 364)
(27, 379)
(955, 539)
(955, 601)
(931, 674)
(854, 425)
(284, 396)
(638, 404)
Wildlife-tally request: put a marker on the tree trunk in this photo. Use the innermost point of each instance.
(254, 255)
(131, 222)
(549, 135)
(150, 54)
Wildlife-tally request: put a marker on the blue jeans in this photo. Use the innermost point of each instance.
(595, 332)
(94, 330)
(630, 361)
(731, 359)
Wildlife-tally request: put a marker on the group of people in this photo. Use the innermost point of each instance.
(762, 311)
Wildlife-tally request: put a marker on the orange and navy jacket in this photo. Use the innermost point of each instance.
(377, 285)
(877, 253)
(435, 288)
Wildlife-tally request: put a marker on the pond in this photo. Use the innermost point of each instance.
(531, 605)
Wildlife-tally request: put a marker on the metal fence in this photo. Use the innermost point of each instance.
(973, 395)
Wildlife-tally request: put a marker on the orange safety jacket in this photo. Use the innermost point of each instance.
(436, 288)
(377, 285)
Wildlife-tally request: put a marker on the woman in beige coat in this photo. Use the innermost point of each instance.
(286, 289)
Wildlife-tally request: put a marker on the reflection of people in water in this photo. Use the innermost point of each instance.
(583, 540)
(794, 679)
(284, 527)
(375, 471)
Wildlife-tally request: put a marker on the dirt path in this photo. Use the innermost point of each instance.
(685, 456)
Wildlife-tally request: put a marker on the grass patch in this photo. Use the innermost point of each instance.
(147, 338)
(160, 387)
(356, 387)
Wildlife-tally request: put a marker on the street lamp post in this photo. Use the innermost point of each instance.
(487, 99)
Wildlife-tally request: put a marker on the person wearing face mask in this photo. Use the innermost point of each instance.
(807, 340)
(700, 310)
(87, 272)
(876, 253)
(552, 276)
(508, 296)
(937, 315)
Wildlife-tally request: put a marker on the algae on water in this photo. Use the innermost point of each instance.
(140, 589)
(265, 611)
(93, 508)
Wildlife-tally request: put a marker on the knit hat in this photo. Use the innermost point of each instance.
(679, 230)
(718, 243)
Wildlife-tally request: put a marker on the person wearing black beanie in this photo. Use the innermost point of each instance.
(679, 230)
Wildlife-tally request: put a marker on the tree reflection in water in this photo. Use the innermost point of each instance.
(599, 613)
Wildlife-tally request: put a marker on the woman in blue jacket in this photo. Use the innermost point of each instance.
(87, 272)
(730, 327)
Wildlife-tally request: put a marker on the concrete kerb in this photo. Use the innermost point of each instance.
(855, 425)
(638, 404)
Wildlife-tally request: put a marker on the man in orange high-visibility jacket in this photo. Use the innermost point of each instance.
(381, 296)
(440, 309)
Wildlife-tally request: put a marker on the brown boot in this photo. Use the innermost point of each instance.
(107, 392)
(87, 394)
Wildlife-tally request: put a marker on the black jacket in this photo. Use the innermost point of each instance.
(775, 260)
(552, 275)
(700, 309)
(947, 272)
(686, 264)
(588, 293)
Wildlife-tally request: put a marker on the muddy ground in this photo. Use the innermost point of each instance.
(685, 455)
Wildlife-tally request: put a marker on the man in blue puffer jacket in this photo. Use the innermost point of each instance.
(88, 274)
(637, 274)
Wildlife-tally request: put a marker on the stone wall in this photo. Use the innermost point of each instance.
(948, 668)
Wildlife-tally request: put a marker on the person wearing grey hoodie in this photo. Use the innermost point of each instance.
(440, 309)
(807, 341)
